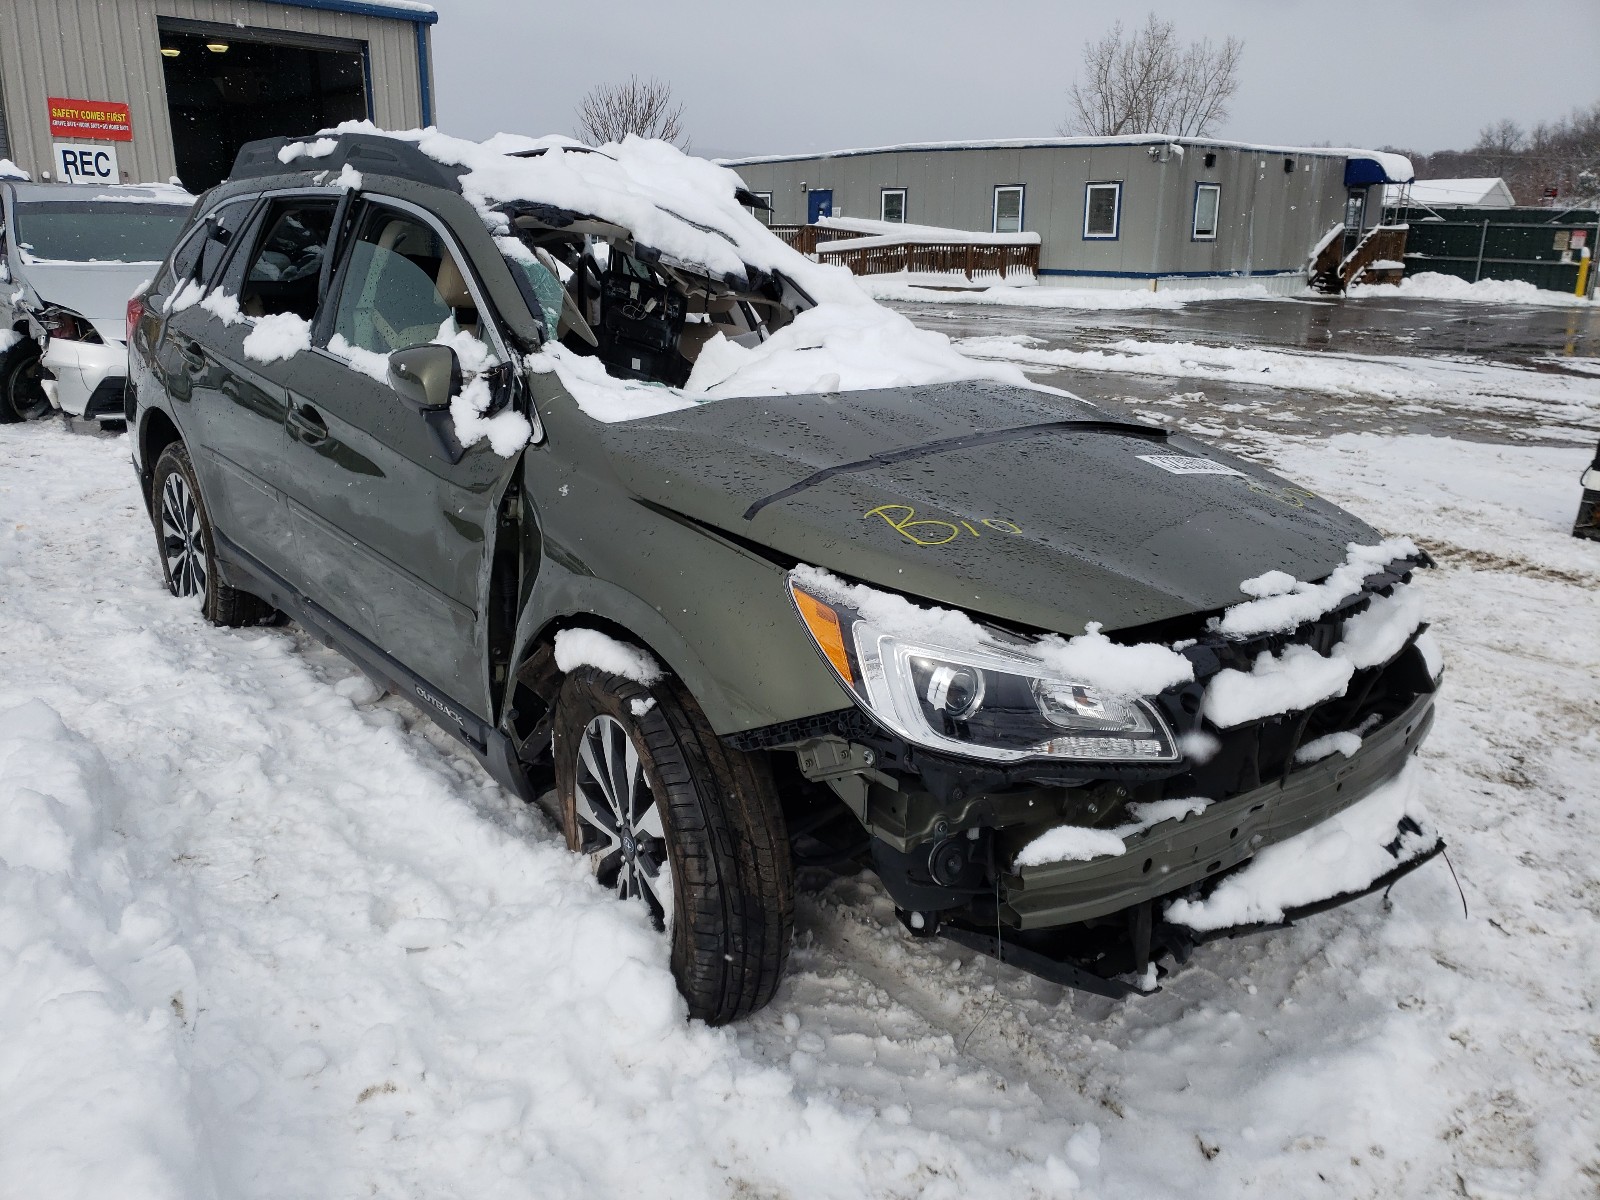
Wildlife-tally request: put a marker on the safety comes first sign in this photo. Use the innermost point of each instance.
(101, 120)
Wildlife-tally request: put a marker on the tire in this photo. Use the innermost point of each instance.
(709, 855)
(22, 395)
(187, 548)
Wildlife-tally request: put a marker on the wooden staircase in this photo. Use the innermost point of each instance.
(1377, 258)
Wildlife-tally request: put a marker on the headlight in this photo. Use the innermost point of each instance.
(998, 703)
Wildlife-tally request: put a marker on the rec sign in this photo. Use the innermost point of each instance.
(102, 120)
(76, 163)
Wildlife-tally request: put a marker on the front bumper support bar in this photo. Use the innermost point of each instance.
(1164, 939)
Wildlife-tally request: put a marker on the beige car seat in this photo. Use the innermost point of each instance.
(705, 319)
(452, 285)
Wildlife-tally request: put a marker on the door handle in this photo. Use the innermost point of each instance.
(306, 425)
(194, 358)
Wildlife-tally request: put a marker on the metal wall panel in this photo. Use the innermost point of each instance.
(1268, 218)
(95, 50)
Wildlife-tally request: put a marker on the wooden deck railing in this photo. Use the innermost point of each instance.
(804, 238)
(973, 261)
(883, 255)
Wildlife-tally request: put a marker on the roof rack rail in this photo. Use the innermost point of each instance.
(362, 151)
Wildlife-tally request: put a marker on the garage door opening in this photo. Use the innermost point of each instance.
(224, 90)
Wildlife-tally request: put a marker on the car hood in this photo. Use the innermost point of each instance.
(98, 291)
(1021, 505)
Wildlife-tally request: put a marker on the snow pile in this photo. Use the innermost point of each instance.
(277, 337)
(187, 296)
(507, 430)
(1291, 681)
(319, 148)
(902, 288)
(1333, 374)
(1075, 843)
(590, 648)
(687, 209)
(10, 170)
(1069, 843)
(367, 362)
(222, 306)
(95, 992)
(1430, 285)
(1284, 602)
(1299, 677)
(1090, 658)
(835, 348)
(1346, 743)
(1343, 854)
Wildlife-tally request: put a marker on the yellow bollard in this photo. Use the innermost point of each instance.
(1583, 273)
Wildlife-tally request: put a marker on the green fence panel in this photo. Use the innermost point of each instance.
(1527, 244)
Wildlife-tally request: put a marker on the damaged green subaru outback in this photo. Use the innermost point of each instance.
(739, 574)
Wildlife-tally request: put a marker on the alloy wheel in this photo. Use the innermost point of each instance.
(182, 540)
(619, 820)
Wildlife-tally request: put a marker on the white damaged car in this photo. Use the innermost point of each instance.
(70, 256)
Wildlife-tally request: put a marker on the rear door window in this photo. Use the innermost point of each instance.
(202, 250)
(284, 273)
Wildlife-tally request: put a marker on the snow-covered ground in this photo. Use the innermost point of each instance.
(264, 933)
(1559, 404)
(1427, 285)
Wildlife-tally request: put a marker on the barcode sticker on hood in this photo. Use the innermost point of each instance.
(1187, 464)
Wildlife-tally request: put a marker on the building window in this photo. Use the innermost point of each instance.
(1207, 199)
(1102, 210)
(764, 215)
(893, 205)
(1008, 208)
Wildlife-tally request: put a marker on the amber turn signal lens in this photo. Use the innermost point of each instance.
(823, 623)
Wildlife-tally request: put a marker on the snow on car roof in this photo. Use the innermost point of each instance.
(687, 209)
(127, 193)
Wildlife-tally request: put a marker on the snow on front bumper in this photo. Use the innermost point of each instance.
(1341, 856)
(1173, 855)
(79, 368)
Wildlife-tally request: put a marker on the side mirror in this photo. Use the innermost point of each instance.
(425, 377)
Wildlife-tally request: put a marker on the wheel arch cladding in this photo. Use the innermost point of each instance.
(156, 433)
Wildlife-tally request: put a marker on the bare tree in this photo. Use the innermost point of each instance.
(611, 111)
(1562, 156)
(1499, 145)
(1149, 82)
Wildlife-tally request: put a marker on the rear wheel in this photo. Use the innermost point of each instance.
(187, 547)
(672, 819)
(22, 395)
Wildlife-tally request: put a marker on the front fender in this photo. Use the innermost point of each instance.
(727, 629)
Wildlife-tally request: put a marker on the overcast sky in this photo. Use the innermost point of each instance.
(767, 78)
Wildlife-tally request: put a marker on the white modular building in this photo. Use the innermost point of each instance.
(1116, 212)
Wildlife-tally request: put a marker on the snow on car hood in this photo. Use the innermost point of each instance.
(687, 210)
(997, 500)
(97, 291)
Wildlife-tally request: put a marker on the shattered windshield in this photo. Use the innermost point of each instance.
(662, 289)
(86, 231)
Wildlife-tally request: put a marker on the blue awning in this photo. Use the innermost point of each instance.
(1386, 168)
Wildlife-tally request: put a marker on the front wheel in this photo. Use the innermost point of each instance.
(22, 395)
(187, 547)
(672, 819)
